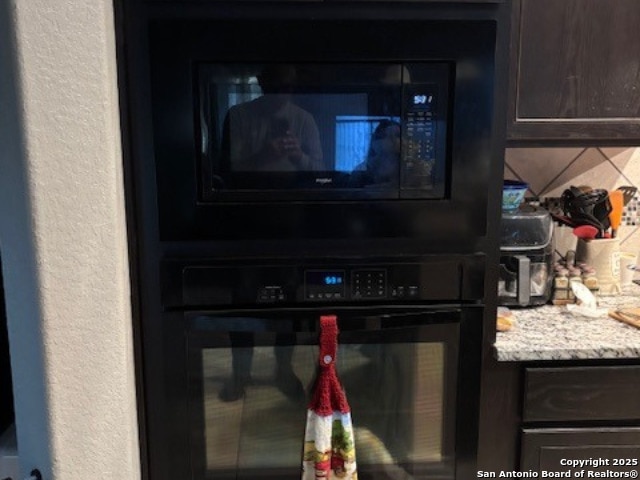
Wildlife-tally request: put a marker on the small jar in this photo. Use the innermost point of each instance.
(561, 284)
(589, 278)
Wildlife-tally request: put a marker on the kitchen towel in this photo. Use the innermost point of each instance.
(329, 447)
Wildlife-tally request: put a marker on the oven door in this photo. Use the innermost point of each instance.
(250, 374)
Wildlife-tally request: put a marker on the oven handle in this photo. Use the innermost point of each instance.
(351, 320)
(333, 310)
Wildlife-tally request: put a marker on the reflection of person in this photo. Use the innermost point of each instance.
(271, 133)
(242, 333)
(383, 156)
(242, 359)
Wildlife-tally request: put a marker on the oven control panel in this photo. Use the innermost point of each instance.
(360, 283)
(327, 282)
(369, 283)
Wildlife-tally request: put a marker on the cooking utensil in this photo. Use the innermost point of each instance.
(563, 219)
(586, 232)
(616, 200)
(628, 192)
(629, 316)
(591, 207)
(586, 219)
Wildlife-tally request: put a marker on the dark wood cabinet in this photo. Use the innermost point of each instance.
(603, 450)
(534, 415)
(573, 403)
(607, 393)
(575, 70)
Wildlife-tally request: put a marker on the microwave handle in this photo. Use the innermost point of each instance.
(524, 279)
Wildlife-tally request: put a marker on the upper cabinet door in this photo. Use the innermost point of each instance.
(575, 70)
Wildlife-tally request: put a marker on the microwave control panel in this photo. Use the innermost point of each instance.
(419, 127)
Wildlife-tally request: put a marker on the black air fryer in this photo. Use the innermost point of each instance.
(526, 257)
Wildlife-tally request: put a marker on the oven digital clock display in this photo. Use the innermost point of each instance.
(324, 284)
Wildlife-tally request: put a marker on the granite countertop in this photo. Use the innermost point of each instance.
(552, 333)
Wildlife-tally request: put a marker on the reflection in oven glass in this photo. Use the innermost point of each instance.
(255, 409)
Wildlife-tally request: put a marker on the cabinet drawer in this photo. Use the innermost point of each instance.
(617, 450)
(582, 393)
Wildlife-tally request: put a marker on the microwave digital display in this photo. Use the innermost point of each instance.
(325, 130)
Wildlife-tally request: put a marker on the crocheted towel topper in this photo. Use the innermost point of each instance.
(329, 450)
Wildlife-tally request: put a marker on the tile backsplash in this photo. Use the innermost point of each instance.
(549, 171)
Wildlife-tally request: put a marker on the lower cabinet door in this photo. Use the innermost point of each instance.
(581, 452)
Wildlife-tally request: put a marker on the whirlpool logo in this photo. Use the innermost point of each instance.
(324, 180)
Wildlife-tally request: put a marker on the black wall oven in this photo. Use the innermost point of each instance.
(287, 160)
(241, 347)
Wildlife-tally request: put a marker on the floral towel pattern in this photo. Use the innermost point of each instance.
(329, 451)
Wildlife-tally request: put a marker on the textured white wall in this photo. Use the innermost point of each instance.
(63, 241)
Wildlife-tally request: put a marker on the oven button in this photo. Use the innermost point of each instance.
(413, 291)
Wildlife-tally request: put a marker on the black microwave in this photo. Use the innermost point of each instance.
(320, 131)
(382, 130)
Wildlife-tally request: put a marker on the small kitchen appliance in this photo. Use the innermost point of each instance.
(526, 257)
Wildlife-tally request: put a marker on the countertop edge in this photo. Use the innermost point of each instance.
(566, 354)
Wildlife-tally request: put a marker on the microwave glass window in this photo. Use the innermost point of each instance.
(320, 126)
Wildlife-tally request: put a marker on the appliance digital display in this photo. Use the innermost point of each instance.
(325, 283)
(321, 278)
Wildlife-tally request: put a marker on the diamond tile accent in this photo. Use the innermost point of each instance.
(539, 166)
(590, 168)
(509, 174)
(627, 161)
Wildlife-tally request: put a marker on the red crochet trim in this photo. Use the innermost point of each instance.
(328, 394)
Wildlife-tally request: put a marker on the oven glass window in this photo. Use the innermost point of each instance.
(252, 402)
(366, 128)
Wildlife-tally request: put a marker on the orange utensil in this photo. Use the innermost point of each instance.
(616, 199)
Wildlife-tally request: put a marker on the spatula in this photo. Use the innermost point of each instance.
(616, 199)
(628, 192)
(586, 232)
